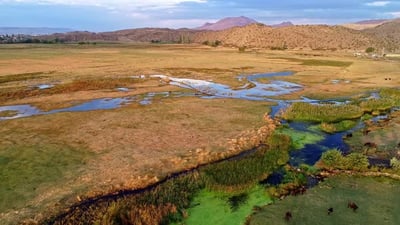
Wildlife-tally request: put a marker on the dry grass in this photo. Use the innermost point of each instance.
(131, 147)
(135, 145)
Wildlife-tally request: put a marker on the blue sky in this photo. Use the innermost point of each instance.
(105, 15)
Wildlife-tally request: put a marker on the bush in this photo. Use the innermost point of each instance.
(395, 163)
(370, 50)
(242, 49)
(356, 161)
(332, 159)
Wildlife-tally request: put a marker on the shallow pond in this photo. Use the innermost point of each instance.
(205, 89)
(96, 104)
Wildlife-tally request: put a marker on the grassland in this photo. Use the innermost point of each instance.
(97, 152)
(377, 199)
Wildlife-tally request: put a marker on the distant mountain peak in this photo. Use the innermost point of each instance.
(227, 23)
(283, 24)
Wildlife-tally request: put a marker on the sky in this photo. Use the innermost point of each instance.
(109, 15)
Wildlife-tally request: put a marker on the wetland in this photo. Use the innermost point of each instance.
(106, 141)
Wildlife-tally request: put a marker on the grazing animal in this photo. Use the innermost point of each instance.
(366, 132)
(352, 205)
(349, 135)
(288, 216)
(330, 210)
(370, 145)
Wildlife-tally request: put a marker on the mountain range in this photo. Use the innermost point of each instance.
(242, 31)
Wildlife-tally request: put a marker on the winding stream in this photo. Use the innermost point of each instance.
(253, 90)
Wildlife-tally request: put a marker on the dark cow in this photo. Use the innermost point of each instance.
(352, 205)
(366, 132)
(330, 210)
(370, 145)
(288, 216)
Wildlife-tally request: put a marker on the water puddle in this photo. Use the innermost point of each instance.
(253, 90)
(44, 86)
(21, 111)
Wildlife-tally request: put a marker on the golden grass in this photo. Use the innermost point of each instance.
(132, 146)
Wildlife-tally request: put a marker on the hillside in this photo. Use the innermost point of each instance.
(321, 37)
(387, 33)
(283, 24)
(130, 35)
(292, 37)
(365, 24)
(227, 23)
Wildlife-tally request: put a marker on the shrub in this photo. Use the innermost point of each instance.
(356, 161)
(332, 159)
(370, 50)
(242, 49)
(395, 163)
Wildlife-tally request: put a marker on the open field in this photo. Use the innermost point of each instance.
(377, 199)
(48, 162)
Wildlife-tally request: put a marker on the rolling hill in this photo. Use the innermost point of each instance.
(388, 34)
(227, 23)
(321, 37)
(365, 24)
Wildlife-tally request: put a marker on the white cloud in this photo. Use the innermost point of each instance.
(378, 3)
(121, 4)
(395, 14)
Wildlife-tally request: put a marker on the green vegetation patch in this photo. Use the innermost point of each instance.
(392, 93)
(377, 198)
(377, 105)
(333, 159)
(337, 127)
(320, 62)
(301, 138)
(239, 175)
(214, 208)
(24, 170)
(301, 111)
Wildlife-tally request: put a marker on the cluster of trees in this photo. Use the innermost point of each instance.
(14, 39)
(215, 43)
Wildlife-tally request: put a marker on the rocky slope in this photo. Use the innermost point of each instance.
(292, 37)
(388, 34)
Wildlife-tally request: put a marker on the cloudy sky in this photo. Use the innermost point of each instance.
(106, 15)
